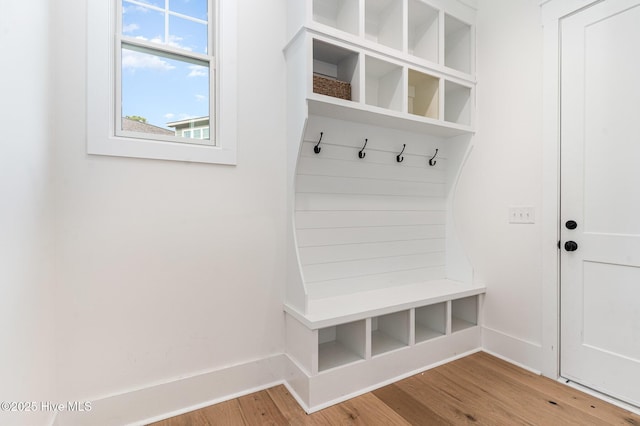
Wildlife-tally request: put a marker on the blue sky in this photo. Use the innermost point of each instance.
(158, 88)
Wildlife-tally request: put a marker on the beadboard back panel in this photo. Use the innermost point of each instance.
(372, 222)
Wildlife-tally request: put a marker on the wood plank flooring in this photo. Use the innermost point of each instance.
(476, 390)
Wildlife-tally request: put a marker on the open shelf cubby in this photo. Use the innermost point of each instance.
(423, 94)
(341, 344)
(389, 332)
(422, 28)
(339, 14)
(383, 86)
(457, 44)
(383, 22)
(464, 313)
(457, 103)
(337, 63)
(430, 322)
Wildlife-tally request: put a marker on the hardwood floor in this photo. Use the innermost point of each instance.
(479, 389)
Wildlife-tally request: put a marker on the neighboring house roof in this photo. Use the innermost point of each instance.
(137, 126)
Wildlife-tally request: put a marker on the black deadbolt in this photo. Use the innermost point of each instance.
(571, 224)
(571, 246)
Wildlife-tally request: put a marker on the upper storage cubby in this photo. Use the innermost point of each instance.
(457, 44)
(439, 33)
(340, 14)
(422, 28)
(333, 67)
(383, 22)
(383, 84)
(402, 64)
(423, 94)
(457, 103)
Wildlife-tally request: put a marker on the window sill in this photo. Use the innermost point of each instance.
(159, 150)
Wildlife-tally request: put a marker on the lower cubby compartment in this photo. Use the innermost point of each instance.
(389, 332)
(464, 313)
(351, 343)
(318, 391)
(341, 344)
(430, 322)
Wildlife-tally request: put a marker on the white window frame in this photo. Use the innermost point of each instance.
(102, 92)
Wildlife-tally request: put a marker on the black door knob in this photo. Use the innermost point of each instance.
(571, 246)
(571, 224)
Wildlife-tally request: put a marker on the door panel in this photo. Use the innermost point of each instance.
(611, 302)
(611, 113)
(600, 176)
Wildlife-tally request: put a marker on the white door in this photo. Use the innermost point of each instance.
(600, 191)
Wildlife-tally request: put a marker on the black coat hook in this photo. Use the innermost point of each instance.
(317, 148)
(432, 161)
(399, 157)
(361, 153)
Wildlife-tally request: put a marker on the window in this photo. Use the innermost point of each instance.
(162, 79)
(166, 66)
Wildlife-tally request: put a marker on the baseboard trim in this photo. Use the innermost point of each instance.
(160, 402)
(524, 354)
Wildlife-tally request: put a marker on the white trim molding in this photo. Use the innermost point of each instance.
(552, 12)
(158, 402)
(523, 353)
(101, 74)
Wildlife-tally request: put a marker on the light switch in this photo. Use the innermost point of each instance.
(525, 214)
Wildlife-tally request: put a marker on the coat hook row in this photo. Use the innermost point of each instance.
(432, 160)
(361, 154)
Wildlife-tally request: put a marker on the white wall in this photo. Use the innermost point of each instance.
(505, 169)
(168, 269)
(26, 213)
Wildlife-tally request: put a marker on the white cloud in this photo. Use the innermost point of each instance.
(174, 41)
(198, 71)
(135, 8)
(156, 39)
(200, 98)
(130, 28)
(169, 115)
(135, 60)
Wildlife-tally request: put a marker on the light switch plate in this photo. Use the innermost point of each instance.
(522, 214)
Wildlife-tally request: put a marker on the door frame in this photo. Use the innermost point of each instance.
(552, 12)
